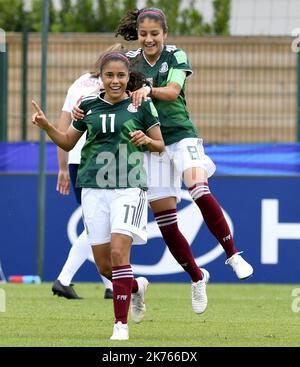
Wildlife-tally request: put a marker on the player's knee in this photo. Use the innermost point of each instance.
(194, 176)
(117, 256)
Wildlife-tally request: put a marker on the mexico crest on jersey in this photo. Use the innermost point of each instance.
(131, 108)
(164, 67)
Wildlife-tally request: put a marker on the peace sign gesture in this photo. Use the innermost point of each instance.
(38, 118)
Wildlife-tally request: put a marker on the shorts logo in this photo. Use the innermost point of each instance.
(131, 108)
(164, 67)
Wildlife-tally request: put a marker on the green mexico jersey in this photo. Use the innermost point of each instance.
(173, 115)
(108, 159)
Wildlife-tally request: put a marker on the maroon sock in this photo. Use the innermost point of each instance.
(135, 286)
(122, 284)
(176, 242)
(213, 216)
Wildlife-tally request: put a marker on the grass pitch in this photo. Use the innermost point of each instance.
(237, 315)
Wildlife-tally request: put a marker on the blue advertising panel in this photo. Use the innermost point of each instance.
(263, 213)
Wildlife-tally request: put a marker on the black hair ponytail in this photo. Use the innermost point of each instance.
(128, 26)
(136, 81)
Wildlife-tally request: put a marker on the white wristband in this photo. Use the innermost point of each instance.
(148, 89)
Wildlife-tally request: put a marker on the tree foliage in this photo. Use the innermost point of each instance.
(104, 15)
(11, 18)
(221, 17)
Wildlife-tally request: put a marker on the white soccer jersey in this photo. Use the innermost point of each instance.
(83, 86)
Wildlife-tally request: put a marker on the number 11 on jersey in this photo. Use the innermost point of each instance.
(103, 118)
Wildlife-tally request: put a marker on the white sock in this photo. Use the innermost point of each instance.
(78, 254)
(107, 283)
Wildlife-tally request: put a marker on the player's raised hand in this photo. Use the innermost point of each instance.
(39, 118)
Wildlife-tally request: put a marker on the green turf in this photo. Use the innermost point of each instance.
(237, 315)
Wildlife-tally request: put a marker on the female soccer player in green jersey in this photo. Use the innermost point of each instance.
(166, 67)
(113, 179)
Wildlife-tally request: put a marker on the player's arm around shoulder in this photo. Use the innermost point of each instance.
(179, 70)
(174, 82)
(170, 92)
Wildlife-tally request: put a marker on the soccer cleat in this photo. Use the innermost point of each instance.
(66, 291)
(120, 332)
(138, 307)
(199, 297)
(108, 294)
(242, 269)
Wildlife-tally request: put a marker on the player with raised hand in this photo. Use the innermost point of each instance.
(114, 200)
(80, 251)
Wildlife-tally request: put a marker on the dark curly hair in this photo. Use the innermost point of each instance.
(128, 26)
(136, 81)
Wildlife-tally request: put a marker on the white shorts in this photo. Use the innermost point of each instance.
(165, 171)
(114, 211)
(162, 177)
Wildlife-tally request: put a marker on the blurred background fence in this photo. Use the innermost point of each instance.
(244, 89)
